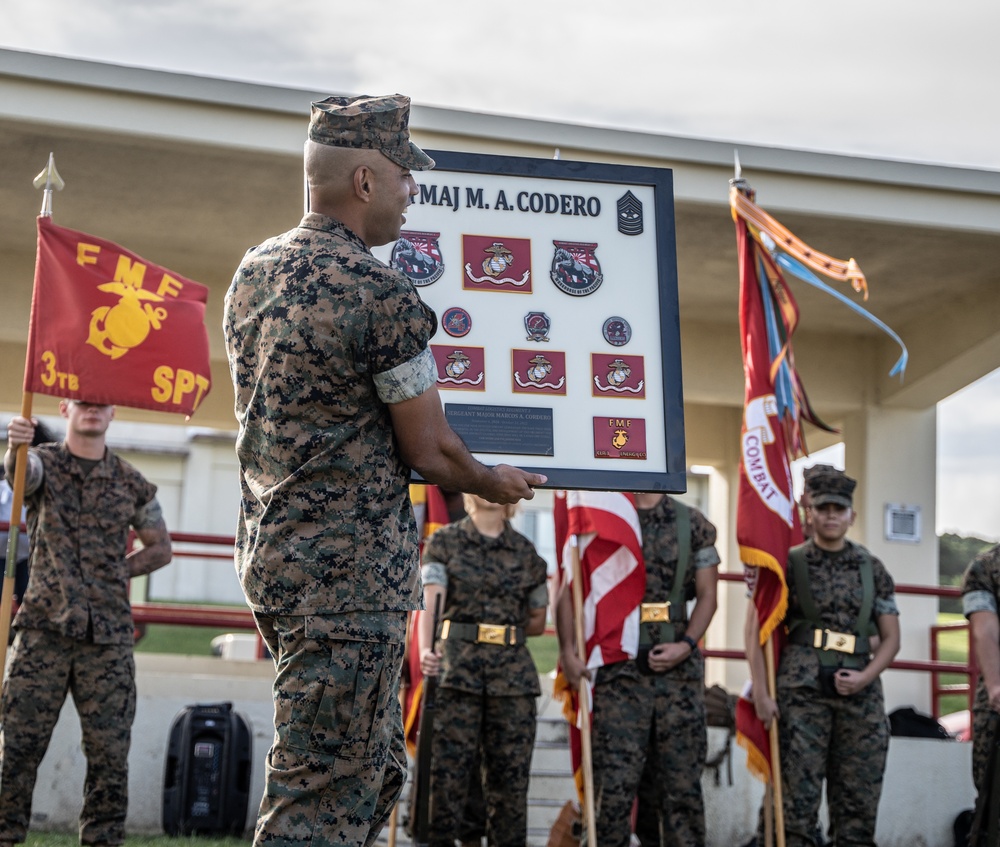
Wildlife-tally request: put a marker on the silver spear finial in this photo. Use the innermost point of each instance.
(48, 179)
(737, 181)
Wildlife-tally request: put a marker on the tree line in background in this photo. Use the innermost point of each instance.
(954, 554)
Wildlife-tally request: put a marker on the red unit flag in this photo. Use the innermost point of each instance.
(107, 326)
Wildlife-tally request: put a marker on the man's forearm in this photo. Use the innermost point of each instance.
(149, 559)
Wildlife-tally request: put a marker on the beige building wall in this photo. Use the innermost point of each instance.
(191, 171)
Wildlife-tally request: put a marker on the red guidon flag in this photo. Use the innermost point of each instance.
(431, 513)
(109, 327)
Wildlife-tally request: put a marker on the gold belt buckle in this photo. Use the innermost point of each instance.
(445, 629)
(490, 633)
(827, 639)
(654, 613)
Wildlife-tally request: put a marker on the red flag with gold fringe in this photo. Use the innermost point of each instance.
(431, 512)
(107, 326)
(767, 522)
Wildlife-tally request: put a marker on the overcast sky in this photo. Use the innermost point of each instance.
(901, 79)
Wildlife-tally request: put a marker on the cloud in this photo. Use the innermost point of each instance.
(895, 79)
(969, 460)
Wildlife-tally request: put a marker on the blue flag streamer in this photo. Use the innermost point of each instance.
(797, 269)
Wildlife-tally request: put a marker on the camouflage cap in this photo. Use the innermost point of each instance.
(372, 123)
(825, 484)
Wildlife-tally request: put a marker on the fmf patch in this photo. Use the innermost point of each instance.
(620, 438)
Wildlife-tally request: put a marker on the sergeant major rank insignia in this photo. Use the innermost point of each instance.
(575, 269)
(629, 214)
(418, 255)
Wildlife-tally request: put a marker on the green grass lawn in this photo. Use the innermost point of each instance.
(183, 640)
(58, 839)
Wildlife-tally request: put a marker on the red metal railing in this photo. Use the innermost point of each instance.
(242, 619)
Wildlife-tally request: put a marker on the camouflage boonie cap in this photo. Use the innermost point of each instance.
(371, 123)
(825, 484)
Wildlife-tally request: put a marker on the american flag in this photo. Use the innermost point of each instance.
(614, 577)
(606, 527)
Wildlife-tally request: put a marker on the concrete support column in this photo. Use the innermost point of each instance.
(892, 453)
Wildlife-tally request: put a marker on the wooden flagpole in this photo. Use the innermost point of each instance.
(586, 755)
(776, 794)
(48, 180)
(7, 598)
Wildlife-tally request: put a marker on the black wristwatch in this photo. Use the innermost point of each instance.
(687, 639)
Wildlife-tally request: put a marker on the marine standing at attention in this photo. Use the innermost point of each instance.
(493, 586)
(830, 708)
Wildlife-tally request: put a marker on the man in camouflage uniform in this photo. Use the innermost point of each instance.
(830, 708)
(336, 401)
(74, 629)
(980, 596)
(651, 712)
(489, 577)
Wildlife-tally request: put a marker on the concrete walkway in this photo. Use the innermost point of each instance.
(928, 782)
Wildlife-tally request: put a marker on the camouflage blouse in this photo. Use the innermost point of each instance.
(79, 524)
(487, 580)
(835, 580)
(660, 551)
(981, 583)
(321, 337)
(981, 593)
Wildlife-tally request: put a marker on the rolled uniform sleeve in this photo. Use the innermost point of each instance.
(978, 601)
(980, 583)
(703, 536)
(707, 557)
(434, 573)
(408, 380)
(885, 590)
(539, 597)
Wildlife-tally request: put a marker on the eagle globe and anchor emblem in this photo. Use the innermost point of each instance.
(537, 371)
(114, 330)
(619, 372)
(499, 261)
(459, 370)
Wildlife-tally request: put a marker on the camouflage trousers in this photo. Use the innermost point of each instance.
(844, 739)
(503, 728)
(983, 734)
(43, 667)
(338, 763)
(650, 732)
